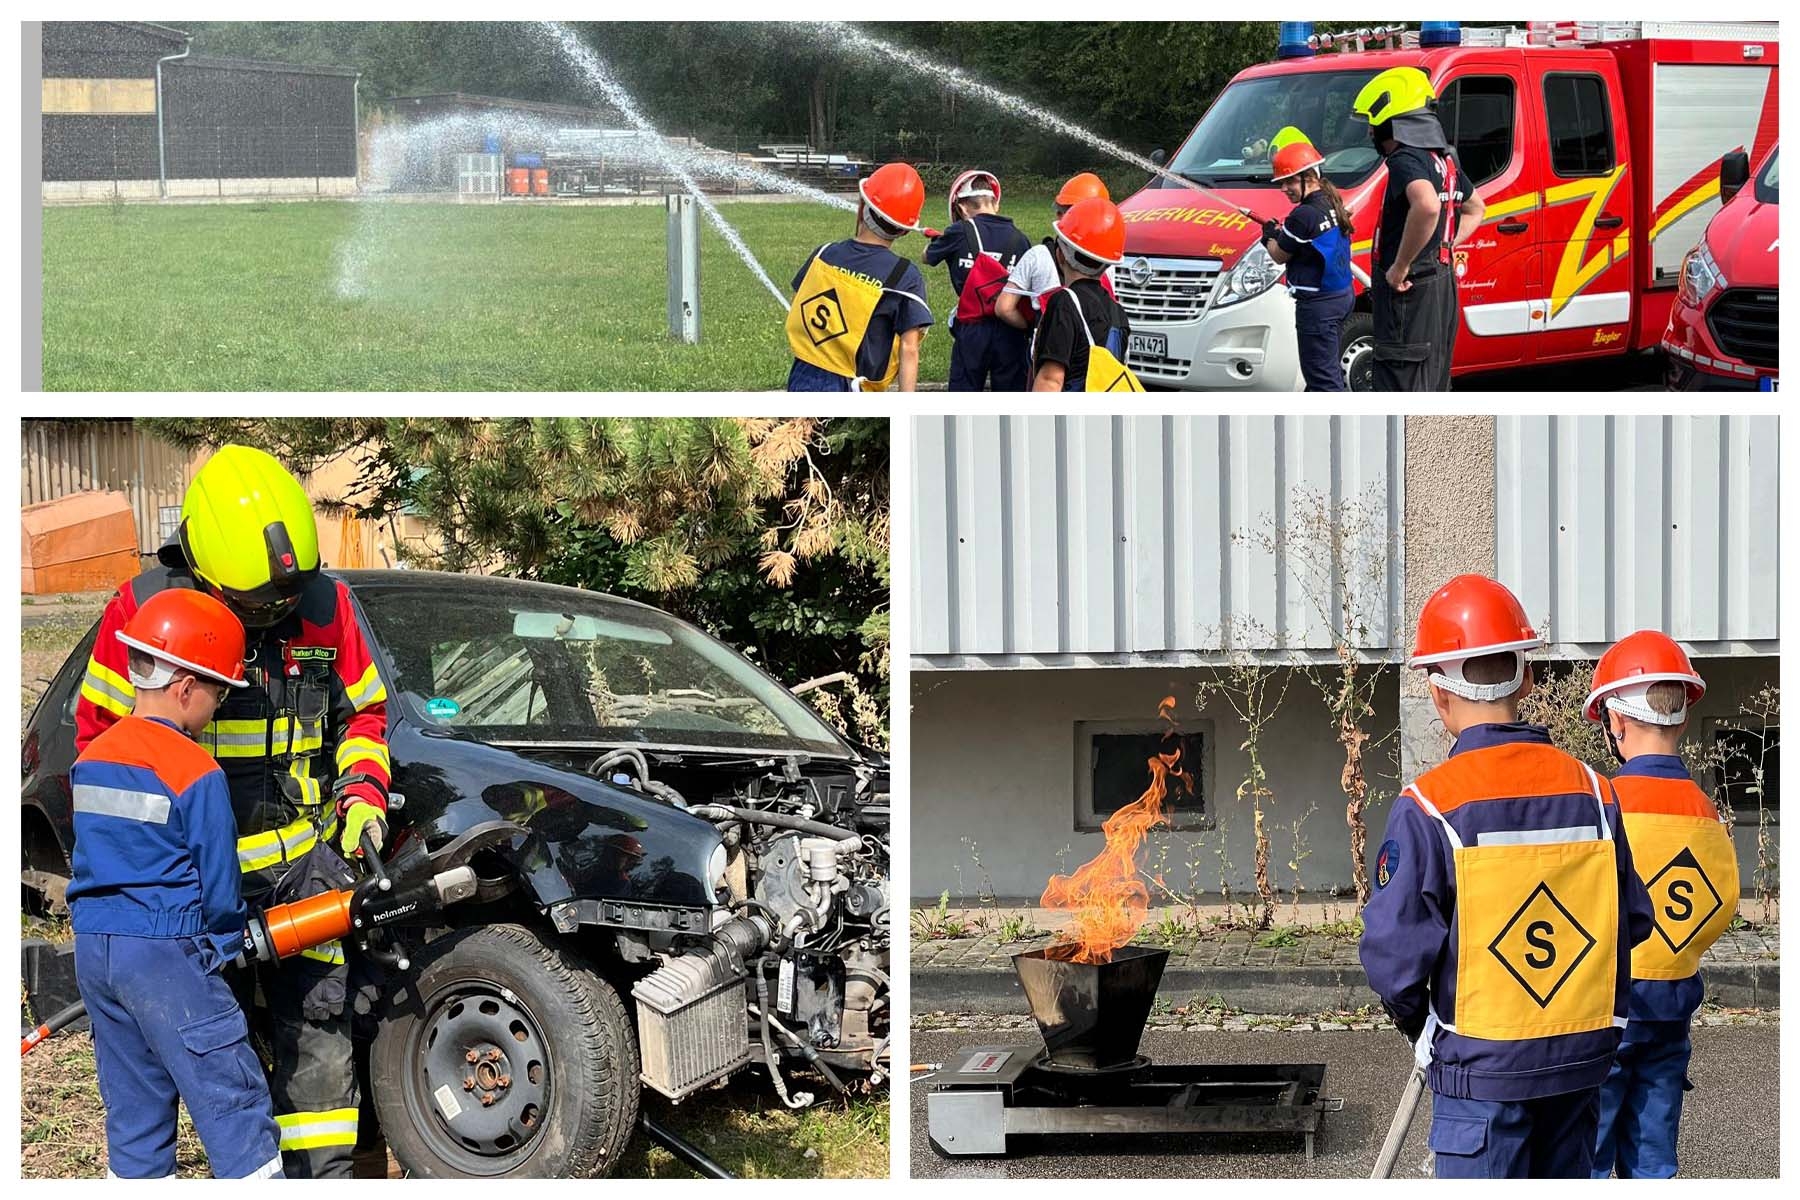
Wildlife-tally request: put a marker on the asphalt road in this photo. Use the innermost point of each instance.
(1730, 1129)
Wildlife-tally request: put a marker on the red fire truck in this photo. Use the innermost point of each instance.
(1596, 147)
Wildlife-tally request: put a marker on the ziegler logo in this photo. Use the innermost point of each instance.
(1603, 338)
(379, 917)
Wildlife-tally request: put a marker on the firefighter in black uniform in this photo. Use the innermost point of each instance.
(1426, 210)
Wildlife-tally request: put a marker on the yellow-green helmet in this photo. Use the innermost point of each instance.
(1393, 93)
(248, 531)
(1286, 136)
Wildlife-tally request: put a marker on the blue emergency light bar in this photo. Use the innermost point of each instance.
(1294, 40)
(1440, 33)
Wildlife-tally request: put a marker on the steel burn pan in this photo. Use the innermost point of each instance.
(1091, 1014)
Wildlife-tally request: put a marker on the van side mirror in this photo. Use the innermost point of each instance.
(1159, 156)
(1734, 173)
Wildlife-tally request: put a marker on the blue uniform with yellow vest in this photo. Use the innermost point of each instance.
(157, 913)
(1499, 930)
(1685, 857)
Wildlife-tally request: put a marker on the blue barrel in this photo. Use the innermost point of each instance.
(528, 160)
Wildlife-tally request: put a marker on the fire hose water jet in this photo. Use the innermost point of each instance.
(590, 64)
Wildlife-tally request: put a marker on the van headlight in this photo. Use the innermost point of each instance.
(1253, 274)
(1700, 276)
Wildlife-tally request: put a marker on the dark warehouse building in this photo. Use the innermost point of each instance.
(229, 127)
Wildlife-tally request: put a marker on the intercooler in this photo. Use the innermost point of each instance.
(693, 1022)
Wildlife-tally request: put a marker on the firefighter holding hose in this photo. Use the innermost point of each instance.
(1643, 690)
(859, 313)
(1505, 908)
(980, 248)
(1427, 209)
(1313, 240)
(156, 905)
(304, 753)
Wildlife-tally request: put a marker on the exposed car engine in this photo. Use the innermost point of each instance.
(795, 968)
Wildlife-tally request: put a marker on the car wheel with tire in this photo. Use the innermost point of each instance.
(1357, 352)
(502, 1055)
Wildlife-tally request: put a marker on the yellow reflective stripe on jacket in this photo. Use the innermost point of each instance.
(354, 750)
(276, 846)
(330, 952)
(310, 1130)
(367, 690)
(107, 689)
(257, 739)
(300, 770)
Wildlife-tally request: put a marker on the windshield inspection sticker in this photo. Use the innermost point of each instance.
(442, 708)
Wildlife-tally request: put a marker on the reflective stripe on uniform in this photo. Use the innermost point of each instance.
(236, 739)
(353, 750)
(107, 689)
(311, 1130)
(276, 846)
(147, 807)
(300, 771)
(330, 952)
(268, 1170)
(367, 690)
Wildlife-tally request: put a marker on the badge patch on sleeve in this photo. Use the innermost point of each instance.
(1386, 859)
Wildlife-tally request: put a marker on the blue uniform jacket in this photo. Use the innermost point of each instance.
(1661, 999)
(1409, 944)
(155, 840)
(956, 245)
(1318, 249)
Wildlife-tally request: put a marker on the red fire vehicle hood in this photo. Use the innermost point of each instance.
(1743, 239)
(1192, 223)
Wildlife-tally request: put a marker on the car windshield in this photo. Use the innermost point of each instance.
(1223, 148)
(1767, 183)
(519, 662)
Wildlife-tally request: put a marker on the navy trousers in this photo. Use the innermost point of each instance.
(167, 1028)
(989, 354)
(1640, 1102)
(1551, 1137)
(1319, 327)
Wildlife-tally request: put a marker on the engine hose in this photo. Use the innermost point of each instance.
(762, 1012)
(806, 1049)
(663, 791)
(627, 754)
(756, 816)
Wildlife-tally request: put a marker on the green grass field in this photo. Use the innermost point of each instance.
(467, 298)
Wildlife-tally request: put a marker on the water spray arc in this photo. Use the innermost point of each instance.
(597, 74)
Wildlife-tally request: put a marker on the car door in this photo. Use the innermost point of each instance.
(1587, 210)
(1486, 116)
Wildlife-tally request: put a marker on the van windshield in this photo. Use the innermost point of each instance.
(1767, 189)
(1223, 149)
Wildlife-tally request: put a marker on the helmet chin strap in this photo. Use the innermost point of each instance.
(1450, 679)
(1612, 742)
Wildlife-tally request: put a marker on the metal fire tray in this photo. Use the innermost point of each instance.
(992, 1094)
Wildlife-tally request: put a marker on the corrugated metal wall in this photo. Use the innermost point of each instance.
(1612, 524)
(1107, 539)
(62, 457)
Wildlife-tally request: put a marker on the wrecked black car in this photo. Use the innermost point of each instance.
(704, 885)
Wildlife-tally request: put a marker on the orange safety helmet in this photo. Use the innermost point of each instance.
(1294, 158)
(1468, 617)
(187, 629)
(1084, 186)
(1625, 672)
(1094, 229)
(970, 184)
(896, 195)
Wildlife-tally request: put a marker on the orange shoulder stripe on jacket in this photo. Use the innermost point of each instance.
(175, 758)
(1673, 797)
(1511, 771)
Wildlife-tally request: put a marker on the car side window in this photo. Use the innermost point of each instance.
(68, 680)
(1477, 112)
(1579, 114)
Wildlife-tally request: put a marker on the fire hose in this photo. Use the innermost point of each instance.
(413, 890)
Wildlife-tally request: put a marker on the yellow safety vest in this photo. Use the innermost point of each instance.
(1105, 373)
(830, 315)
(1537, 923)
(1684, 855)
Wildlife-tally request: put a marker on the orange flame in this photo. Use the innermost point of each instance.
(1107, 898)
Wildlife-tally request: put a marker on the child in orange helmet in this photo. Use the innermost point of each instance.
(1035, 275)
(1644, 688)
(1080, 343)
(859, 313)
(156, 905)
(980, 247)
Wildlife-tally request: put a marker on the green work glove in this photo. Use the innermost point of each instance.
(362, 815)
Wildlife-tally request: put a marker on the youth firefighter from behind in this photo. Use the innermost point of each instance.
(303, 747)
(1504, 909)
(981, 247)
(1080, 344)
(1643, 689)
(859, 312)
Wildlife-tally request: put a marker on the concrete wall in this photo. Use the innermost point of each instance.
(101, 191)
(994, 762)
